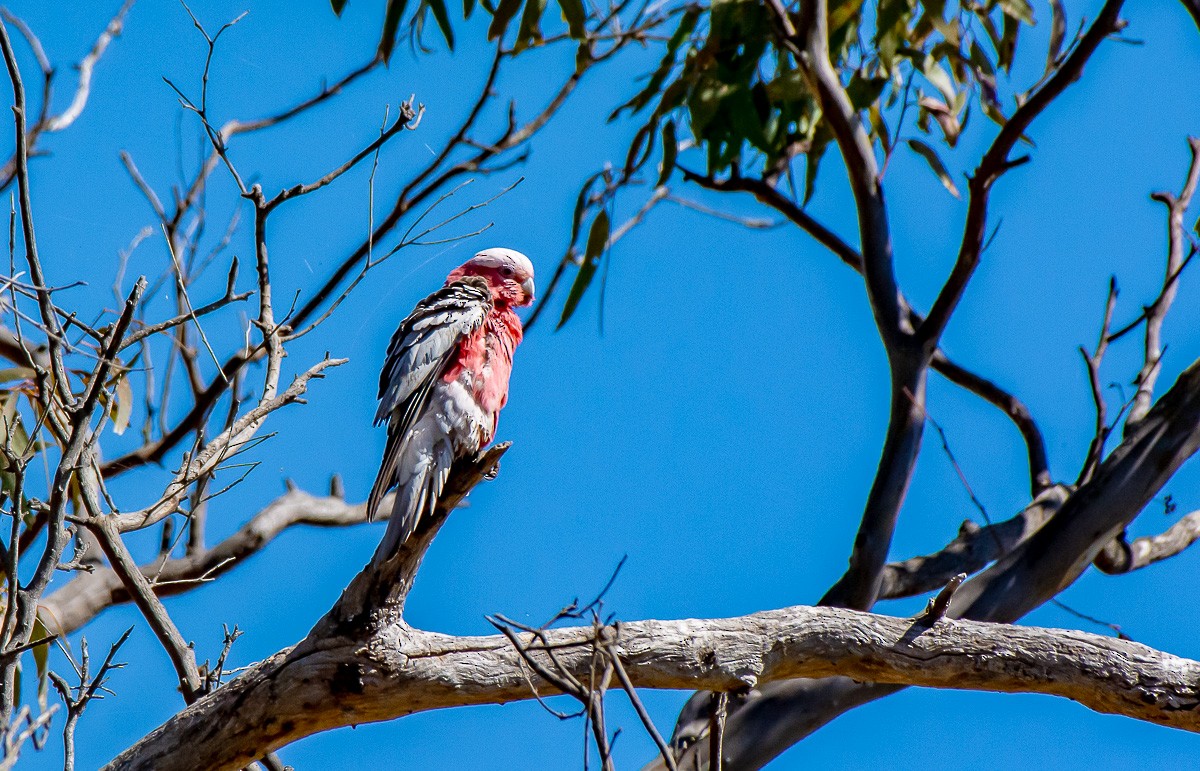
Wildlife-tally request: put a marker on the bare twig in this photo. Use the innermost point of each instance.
(86, 66)
(77, 697)
(218, 449)
(1156, 313)
(45, 123)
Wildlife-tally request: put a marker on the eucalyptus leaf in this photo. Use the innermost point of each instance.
(123, 406)
(391, 26)
(503, 15)
(687, 25)
(530, 31)
(670, 148)
(597, 240)
(931, 157)
(574, 15)
(438, 7)
(812, 159)
(944, 116)
(1058, 32)
(1020, 10)
(10, 374)
(1008, 43)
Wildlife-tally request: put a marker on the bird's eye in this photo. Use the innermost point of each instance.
(506, 272)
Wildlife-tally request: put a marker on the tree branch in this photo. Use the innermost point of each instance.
(971, 551)
(88, 594)
(1156, 312)
(996, 161)
(1120, 556)
(1014, 408)
(1049, 560)
(340, 681)
(216, 451)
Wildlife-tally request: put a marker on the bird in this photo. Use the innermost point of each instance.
(444, 382)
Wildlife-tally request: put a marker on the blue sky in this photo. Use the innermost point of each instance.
(721, 432)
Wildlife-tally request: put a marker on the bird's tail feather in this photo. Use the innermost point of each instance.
(387, 472)
(416, 496)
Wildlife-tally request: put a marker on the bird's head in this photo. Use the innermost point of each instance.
(508, 272)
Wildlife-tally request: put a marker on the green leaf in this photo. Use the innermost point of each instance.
(745, 119)
(581, 203)
(1020, 10)
(879, 128)
(468, 8)
(790, 86)
(944, 116)
(443, 20)
(891, 26)
(1058, 32)
(670, 146)
(844, 12)
(705, 104)
(934, 73)
(338, 6)
(993, 111)
(935, 8)
(1008, 43)
(503, 15)
(686, 26)
(989, 26)
(597, 240)
(123, 406)
(391, 26)
(574, 15)
(931, 157)
(640, 148)
(864, 91)
(980, 59)
(845, 18)
(812, 159)
(530, 31)
(16, 373)
(41, 658)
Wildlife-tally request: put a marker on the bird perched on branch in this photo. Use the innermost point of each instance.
(444, 383)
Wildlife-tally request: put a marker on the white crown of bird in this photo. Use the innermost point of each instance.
(498, 257)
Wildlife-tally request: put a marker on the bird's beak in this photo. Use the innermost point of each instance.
(527, 285)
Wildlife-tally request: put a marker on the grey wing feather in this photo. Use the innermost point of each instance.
(420, 350)
(417, 496)
(424, 342)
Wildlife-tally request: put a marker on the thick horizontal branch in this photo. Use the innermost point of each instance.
(336, 682)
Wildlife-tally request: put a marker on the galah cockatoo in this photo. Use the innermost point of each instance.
(444, 383)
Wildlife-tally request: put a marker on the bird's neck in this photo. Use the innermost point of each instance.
(504, 322)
